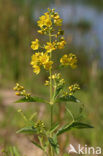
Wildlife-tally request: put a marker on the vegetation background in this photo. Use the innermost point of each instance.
(83, 26)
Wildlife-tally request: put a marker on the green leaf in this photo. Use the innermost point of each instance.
(13, 151)
(54, 144)
(36, 144)
(16, 153)
(68, 127)
(54, 127)
(10, 151)
(59, 88)
(68, 98)
(27, 130)
(30, 99)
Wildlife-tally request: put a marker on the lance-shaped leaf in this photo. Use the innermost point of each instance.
(68, 98)
(30, 99)
(68, 127)
(36, 144)
(54, 127)
(31, 130)
(58, 89)
(12, 151)
(54, 144)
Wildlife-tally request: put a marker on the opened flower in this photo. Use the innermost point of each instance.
(70, 59)
(64, 60)
(58, 22)
(61, 44)
(45, 20)
(35, 44)
(43, 58)
(57, 19)
(48, 65)
(35, 59)
(50, 47)
(36, 69)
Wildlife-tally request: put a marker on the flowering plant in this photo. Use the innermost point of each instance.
(50, 25)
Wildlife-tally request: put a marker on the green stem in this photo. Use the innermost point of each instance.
(51, 104)
(51, 84)
(41, 143)
(51, 97)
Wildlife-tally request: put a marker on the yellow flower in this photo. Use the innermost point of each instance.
(73, 88)
(64, 60)
(23, 93)
(46, 83)
(46, 14)
(61, 44)
(17, 93)
(20, 91)
(45, 20)
(18, 87)
(48, 22)
(35, 59)
(40, 31)
(43, 58)
(57, 19)
(48, 65)
(41, 21)
(62, 81)
(36, 69)
(56, 16)
(40, 59)
(58, 22)
(72, 60)
(34, 63)
(56, 76)
(50, 47)
(35, 44)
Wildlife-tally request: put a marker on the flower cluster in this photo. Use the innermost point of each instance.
(40, 126)
(48, 20)
(73, 88)
(41, 59)
(20, 91)
(58, 79)
(58, 85)
(47, 23)
(70, 59)
(55, 77)
(61, 43)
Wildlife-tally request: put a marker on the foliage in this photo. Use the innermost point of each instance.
(11, 151)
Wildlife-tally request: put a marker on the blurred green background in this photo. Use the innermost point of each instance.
(83, 27)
